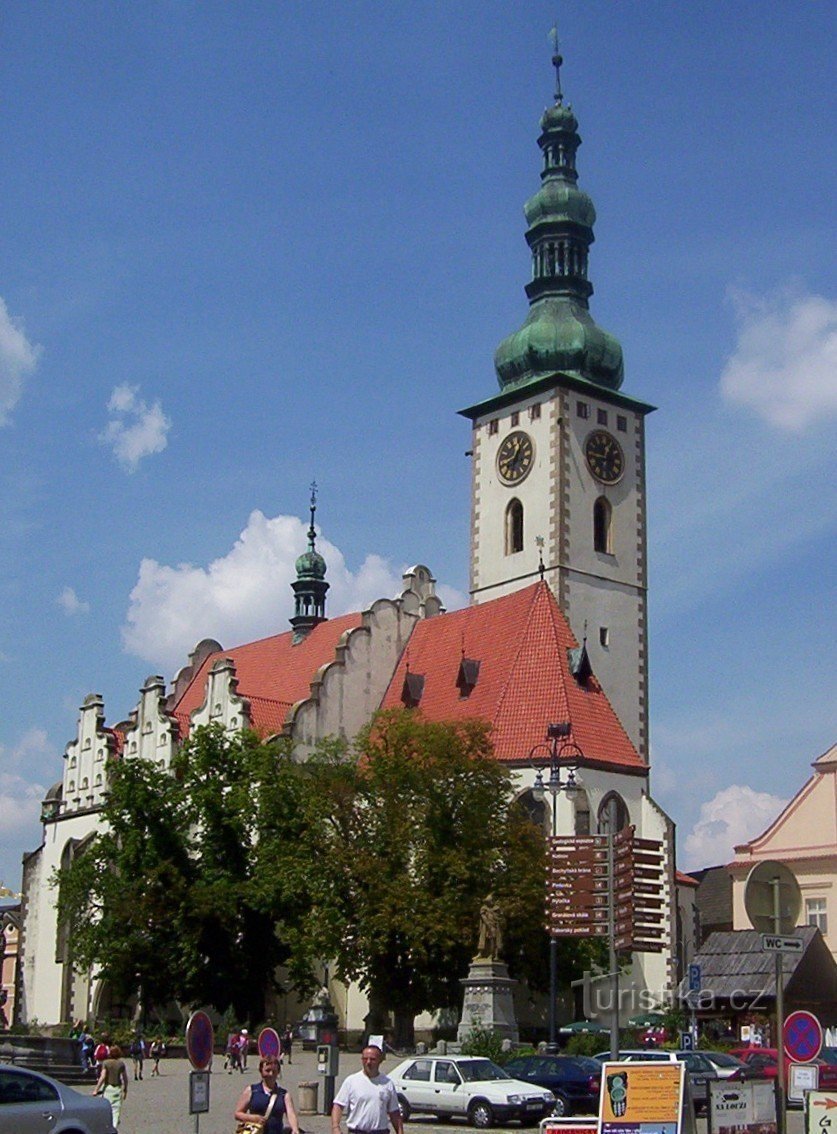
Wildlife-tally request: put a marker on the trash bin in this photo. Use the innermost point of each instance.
(308, 1097)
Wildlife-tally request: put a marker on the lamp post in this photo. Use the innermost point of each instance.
(557, 745)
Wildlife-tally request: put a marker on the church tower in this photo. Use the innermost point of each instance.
(558, 455)
(310, 586)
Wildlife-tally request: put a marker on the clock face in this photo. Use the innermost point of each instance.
(515, 457)
(604, 456)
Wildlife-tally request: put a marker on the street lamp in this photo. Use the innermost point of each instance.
(558, 746)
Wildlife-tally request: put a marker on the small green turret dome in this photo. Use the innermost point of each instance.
(559, 335)
(561, 202)
(559, 117)
(310, 565)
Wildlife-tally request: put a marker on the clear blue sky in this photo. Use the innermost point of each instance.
(248, 245)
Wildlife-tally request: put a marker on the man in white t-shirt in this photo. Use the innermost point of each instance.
(368, 1098)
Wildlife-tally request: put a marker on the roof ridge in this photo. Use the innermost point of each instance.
(538, 589)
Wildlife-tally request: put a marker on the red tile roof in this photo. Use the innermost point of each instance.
(273, 673)
(685, 879)
(524, 683)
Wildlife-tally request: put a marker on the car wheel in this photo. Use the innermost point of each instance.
(405, 1108)
(480, 1114)
(560, 1108)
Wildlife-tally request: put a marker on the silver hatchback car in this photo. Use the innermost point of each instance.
(31, 1103)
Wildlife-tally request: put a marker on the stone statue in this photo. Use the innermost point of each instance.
(491, 930)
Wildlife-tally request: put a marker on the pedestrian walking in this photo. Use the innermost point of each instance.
(243, 1049)
(137, 1055)
(287, 1042)
(86, 1050)
(267, 1101)
(113, 1081)
(157, 1052)
(368, 1099)
(101, 1053)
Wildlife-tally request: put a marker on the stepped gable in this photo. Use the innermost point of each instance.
(273, 673)
(521, 642)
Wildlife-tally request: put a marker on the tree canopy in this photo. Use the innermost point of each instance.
(374, 857)
(177, 897)
(411, 835)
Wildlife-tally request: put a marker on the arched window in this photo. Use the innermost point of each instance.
(581, 808)
(613, 814)
(602, 514)
(514, 527)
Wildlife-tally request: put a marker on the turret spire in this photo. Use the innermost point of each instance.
(559, 334)
(557, 60)
(310, 586)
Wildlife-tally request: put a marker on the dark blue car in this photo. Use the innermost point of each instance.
(573, 1079)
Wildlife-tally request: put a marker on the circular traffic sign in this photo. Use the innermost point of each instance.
(269, 1045)
(772, 898)
(802, 1036)
(200, 1040)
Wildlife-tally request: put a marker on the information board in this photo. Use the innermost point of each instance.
(641, 1098)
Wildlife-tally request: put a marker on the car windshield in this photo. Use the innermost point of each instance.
(478, 1070)
(722, 1059)
(829, 1055)
(588, 1066)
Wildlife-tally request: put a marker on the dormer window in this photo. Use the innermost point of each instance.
(413, 689)
(469, 671)
(579, 663)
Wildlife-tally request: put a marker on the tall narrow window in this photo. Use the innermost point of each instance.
(602, 515)
(815, 913)
(514, 527)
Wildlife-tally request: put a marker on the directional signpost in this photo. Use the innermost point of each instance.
(776, 943)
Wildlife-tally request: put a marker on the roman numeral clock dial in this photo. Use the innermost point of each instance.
(515, 457)
(605, 458)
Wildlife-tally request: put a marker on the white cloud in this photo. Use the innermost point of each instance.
(71, 604)
(20, 802)
(18, 358)
(244, 595)
(785, 362)
(136, 429)
(734, 815)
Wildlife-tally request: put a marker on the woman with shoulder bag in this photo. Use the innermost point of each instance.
(262, 1107)
(113, 1082)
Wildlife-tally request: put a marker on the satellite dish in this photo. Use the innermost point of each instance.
(772, 898)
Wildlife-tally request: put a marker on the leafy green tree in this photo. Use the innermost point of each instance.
(181, 895)
(410, 836)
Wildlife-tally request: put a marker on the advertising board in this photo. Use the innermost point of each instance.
(641, 1098)
(742, 1108)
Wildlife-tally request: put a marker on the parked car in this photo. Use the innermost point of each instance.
(31, 1102)
(699, 1069)
(469, 1087)
(728, 1066)
(575, 1080)
(764, 1062)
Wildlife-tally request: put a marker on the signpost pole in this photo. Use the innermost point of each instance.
(611, 935)
(781, 1123)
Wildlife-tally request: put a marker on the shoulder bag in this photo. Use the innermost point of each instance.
(258, 1127)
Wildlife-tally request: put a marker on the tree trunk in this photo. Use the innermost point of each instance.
(377, 1018)
(405, 1031)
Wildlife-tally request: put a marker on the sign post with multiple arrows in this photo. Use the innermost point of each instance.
(583, 895)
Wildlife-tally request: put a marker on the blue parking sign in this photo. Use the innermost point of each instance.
(694, 978)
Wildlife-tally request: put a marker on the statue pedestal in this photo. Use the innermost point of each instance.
(488, 1001)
